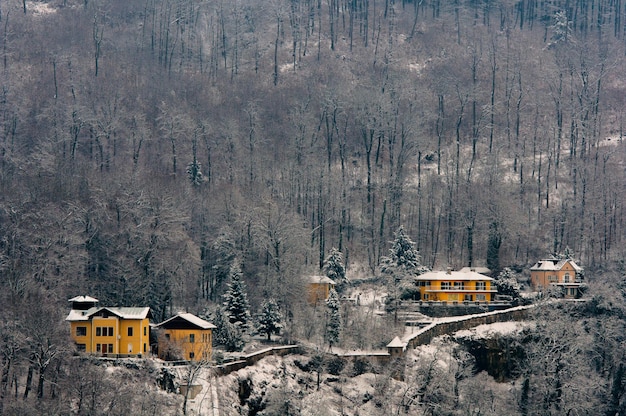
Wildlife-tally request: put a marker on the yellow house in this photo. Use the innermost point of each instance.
(455, 286)
(319, 288)
(562, 273)
(185, 337)
(109, 331)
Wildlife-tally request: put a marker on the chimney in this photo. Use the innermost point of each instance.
(449, 270)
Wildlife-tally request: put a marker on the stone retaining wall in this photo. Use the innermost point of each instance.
(450, 325)
(250, 359)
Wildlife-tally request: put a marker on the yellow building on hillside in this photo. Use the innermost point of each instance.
(455, 286)
(185, 337)
(109, 331)
(319, 288)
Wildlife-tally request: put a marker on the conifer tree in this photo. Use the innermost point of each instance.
(333, 323)
(334, 268)
(507, 284)
(403, 263)
(236, 299)
(227, 334)
(270, 319)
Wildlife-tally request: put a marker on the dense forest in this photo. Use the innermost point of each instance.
(146, 146)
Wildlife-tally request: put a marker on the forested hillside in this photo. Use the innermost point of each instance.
(147, 145)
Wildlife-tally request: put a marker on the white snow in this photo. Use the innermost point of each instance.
(494, 330)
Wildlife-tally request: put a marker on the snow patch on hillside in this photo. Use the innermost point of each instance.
(494, 330)
(40, 8)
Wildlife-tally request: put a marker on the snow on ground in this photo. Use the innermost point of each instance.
(494, 330)
(39, 8)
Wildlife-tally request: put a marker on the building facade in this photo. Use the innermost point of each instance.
(109, 331)
(185, 337)
(319, 287)
(563, 274)
(455, 287)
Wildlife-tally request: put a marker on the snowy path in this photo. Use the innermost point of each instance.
(215, 407)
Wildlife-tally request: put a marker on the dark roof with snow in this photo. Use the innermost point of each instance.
(185, 321)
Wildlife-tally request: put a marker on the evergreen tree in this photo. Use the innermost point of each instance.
(403, 255)
(507, 284)
(333, 325)
(334, 268)
(194, 172)
(226, 333)
(270, 319)
(402, 265)
(236, 299)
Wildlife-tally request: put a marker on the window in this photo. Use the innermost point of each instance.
(110, 348)
(130, 331)
(459, 285)
(167, 337)
(98, 348)
(468, 298)
(191, 355)
(445, 285)
(81, 331)
(426, 296)
(104, 331)
(480, 286)
(192, 338)
(144, 347)
(566, 278)
(81, 347)
(481, 298)
(552, 278)
(145, 331)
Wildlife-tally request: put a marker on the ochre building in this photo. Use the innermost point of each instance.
(185, 337)
(109, 331)
(455, 286)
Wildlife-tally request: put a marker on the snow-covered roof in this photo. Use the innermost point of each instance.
(83, 299)
(397, 343)
(77, 315)
(483, 270)
(122, 312)
(189, 318)
(452, 275)
(321, 279)
(554, 265)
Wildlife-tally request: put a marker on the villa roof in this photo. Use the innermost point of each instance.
(83, 299)
(321, 279)
(482, 270)
(453, 275)
(122, 312)
(554, 265)
(185, 321)
(396, 343)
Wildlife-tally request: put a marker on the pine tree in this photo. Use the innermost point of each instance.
(194, 172)
(333, 326)
(507, 284)
(403, 263)
(236, 299)
(334, 268)
(270, 319)
(403, 255)
(227, 334)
